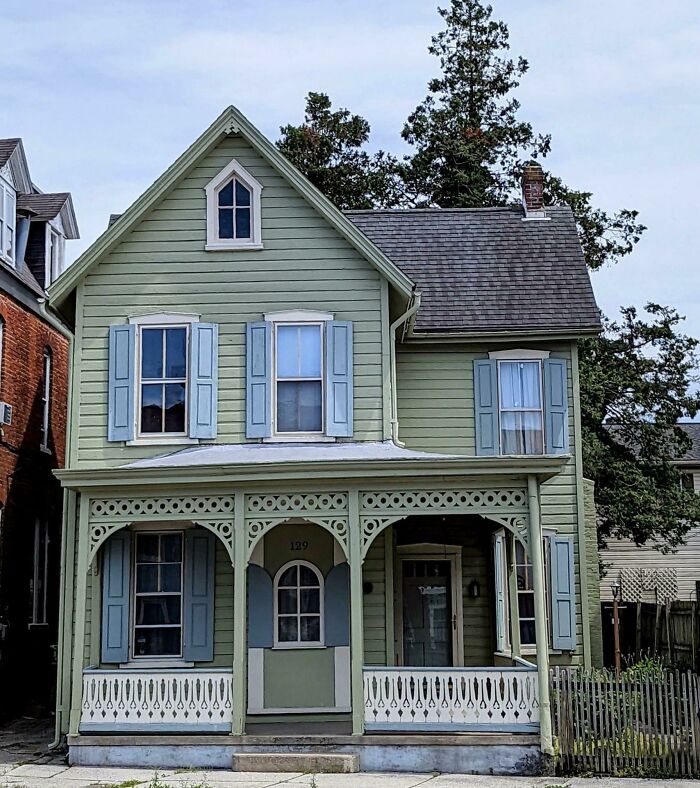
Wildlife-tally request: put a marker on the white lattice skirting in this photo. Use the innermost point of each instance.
(157, 701)
(456, 699)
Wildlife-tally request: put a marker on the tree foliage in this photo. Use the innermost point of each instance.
(468, 148)
(328, 148)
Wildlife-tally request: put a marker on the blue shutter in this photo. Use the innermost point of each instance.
(203, 379)
(337, 606)
(116, 566)
(556, 406)
(260, 608)
(198, 596)
(122, 371)
(259, 380)
(563, 592)
(499, 581)
(486, 407)
(339, 378)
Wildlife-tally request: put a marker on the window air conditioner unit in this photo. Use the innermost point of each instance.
(5, 413)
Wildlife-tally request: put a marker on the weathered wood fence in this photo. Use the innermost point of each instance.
(637, 724)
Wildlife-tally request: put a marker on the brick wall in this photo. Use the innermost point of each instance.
(28, 490)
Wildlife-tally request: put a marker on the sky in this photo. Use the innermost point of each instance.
(107, 94)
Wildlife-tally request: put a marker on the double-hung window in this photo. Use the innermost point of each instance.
(163, 380)
(157, 599)
(54, 263)
(7, 222)
(299, 378)
(520, 405)
(526, 592)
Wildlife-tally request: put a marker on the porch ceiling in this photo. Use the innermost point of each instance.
(233, 464)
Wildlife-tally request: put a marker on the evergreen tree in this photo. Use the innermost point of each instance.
(328, 148)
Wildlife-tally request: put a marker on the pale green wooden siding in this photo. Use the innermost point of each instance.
(374, 607)
(594, 610)
(436, 413)
(162, 266)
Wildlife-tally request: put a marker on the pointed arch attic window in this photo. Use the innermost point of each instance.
(233, 210)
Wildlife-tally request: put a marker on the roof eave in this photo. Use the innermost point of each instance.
(231, 121)
(90, 479)
(505, 334)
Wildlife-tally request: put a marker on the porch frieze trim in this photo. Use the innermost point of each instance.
(336, 525)
(381, 508)
(156, 507)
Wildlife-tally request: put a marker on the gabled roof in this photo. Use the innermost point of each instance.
(12, 154)
(231, 121)
(45, 207)
(484, 270)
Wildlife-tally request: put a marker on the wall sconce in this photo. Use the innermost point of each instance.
(474, 589)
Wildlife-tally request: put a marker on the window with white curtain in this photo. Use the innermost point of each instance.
(299, 378)
(520, 405)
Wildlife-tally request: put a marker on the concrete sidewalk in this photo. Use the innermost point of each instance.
(37, 775)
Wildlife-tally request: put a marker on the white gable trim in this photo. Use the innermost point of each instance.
(214, 243)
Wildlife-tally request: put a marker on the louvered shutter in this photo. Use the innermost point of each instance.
(500, 583)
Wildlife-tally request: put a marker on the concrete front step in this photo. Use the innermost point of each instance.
(318, 763)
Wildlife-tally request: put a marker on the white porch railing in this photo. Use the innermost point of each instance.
(156, 701)
(451, 699)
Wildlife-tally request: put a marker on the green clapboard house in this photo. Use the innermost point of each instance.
(324, 489)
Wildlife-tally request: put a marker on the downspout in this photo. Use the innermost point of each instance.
(65, 332)
(414, 305)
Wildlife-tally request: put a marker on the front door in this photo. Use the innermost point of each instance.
(427, 612)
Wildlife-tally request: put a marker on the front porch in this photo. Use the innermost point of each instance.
(389, 656)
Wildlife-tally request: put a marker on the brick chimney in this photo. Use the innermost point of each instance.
(533, 191)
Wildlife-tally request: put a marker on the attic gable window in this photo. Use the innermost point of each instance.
(7, 222)
(233, 210)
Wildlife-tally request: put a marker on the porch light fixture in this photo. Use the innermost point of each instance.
(474, 589)
(615, 588)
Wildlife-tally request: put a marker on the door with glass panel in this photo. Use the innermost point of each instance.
(430, 617)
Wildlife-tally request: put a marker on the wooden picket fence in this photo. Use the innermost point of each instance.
(635, 725)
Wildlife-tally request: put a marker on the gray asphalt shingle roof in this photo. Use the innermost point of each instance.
(43, 206)
(693, 430)
(485, 269)
(7, 148)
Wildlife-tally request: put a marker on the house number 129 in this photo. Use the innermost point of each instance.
(297, 546)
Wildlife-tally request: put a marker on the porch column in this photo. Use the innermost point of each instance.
(536, 557)
(80, 612)
(240, 635)
(357, 648)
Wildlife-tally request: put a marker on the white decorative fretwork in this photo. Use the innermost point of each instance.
(264, 512)
(149, 701)
(508, 506)
(451, 699)
(108, 515)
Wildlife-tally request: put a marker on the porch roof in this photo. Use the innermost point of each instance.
(255, 462)
(276, 453)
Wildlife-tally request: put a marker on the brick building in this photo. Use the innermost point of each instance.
(33, 397)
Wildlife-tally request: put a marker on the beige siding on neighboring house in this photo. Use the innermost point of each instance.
(162, 267)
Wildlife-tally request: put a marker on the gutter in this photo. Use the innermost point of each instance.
(414, 306)
(66, 333)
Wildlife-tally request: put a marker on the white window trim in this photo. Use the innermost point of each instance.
(49, 274)
(292, 319)
(47, 364)
(539, 410)
(519, 354)
(7, 188)
(214, 243)
(134, 659)
(161, 320)
(299, 644)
